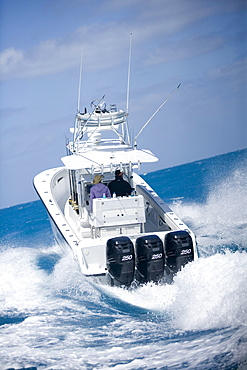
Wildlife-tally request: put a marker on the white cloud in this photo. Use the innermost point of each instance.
(238, 68)
(154, 25)
(9, 59)
(46, 58)
(234, 74)
(186, 48)
(104, 46)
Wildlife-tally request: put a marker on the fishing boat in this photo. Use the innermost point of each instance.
(118, 240)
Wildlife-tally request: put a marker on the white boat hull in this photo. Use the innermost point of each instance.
(53, 188)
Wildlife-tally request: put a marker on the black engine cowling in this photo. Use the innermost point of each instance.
(149, 259)
(179, 250)
(120, 259)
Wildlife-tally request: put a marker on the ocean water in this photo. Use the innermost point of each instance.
(52, 318)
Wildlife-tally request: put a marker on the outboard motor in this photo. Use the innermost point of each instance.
(179, 250)
(120, 260)
(150, 259)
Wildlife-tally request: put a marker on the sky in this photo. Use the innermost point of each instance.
(198, 43)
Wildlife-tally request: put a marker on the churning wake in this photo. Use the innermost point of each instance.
(52, 318)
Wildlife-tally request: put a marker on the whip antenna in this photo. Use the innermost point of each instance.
(135, 144)
(128, 83)
(79, 88)
(78, 102)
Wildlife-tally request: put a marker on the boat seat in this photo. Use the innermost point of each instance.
(117, 211)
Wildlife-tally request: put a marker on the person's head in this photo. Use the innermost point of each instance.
(118, 173)
(97, 179)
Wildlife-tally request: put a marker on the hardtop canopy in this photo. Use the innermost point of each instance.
(108, 159)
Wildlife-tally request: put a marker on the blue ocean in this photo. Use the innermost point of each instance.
(52, 318)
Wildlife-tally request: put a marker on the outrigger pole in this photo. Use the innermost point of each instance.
(135, 143)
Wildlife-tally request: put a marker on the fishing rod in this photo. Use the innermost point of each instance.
(143, 127)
